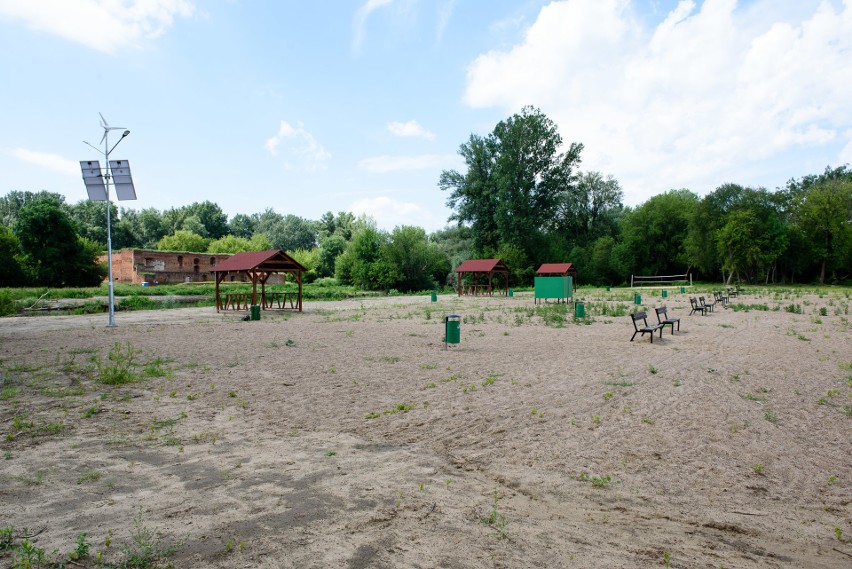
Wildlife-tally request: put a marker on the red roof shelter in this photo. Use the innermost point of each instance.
(558, 270)
(258, 266)
(484, 267)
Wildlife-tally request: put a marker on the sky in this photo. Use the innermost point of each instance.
(312, 106)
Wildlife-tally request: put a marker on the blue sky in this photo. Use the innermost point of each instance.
(357, 105)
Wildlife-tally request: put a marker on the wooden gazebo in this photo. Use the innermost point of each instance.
(558, 270)
(258, 266)
(487, 269)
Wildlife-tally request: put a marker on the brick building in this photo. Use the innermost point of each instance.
(139, 265)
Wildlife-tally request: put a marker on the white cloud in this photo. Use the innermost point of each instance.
(445, 12)
(381, 164)
(104, 25)
(390, 213)
(712, 91)
(410, 128)
(300, 145)
(360, 22)
(48, 161)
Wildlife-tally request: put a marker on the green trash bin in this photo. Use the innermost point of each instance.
(682, 289)
(608, 289)
(452, 329)
(255, 312)
(434, 296)
(579, 309)
(637, 298)
(511, 293)
(665, 293)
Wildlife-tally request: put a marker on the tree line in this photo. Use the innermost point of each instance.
(522, 198)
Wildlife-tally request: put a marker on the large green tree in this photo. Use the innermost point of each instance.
(184, 241)
(654, 234)
(514, 179)
(11, 273)
(825, 215)
(54, 255)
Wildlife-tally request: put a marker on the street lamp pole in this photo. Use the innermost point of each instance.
(108, 179)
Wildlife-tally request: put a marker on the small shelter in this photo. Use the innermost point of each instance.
(558, 270)
(555, 280)
(487, 269)
(258, 266)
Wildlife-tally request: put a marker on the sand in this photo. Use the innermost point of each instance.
(725, 444)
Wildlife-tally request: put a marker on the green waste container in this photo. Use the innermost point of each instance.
(579, 309)
(637, 298)
(608, 289)
(665, 293)
(682, 289)
(434, 296)
(255, 311)
(452, 329)
(511, 292)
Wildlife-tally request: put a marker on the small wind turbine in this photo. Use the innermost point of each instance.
(108, 128)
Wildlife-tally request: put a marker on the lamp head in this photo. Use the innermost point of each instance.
(125, 133)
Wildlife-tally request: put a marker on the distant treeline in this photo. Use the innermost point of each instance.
(522, 199)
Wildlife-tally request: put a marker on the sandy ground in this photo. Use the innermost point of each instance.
(529, 444)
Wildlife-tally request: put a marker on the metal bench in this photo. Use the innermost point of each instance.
(697, 307)
(665, 320)
(645, 328)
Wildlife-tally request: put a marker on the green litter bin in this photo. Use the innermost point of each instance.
(452, 329)
(255, 312)
(682, 289)
(665, 293)
(434, 297)
(608, 289)
(579, 309)
(511, 293)
(637, 298)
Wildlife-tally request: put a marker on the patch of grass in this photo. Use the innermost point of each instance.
(489, 380)
(749, 396)
(608, 395)
(120, 366)
(147, 549)
(648, 420)
(599, 481)
(758, 468)
(428, 366)
(496, 520)
(89, 476)
(771, 416)
(399, 408)
(652, 370)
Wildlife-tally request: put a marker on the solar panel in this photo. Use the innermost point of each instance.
(94, 180)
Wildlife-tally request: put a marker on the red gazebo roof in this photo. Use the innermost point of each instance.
(482, 266)
(274, 260)
(556, 269)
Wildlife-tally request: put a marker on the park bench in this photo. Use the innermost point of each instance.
(696, 307)
(645, 328)
(663, 319)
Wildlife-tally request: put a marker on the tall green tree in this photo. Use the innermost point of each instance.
(184, 241)
(590, 208)
(242, 225)
(211, 218)
(825, 214)
(11, 203)
(54, 255)
(419, 263)
(654, 233)
(510, 192)
(11, 273)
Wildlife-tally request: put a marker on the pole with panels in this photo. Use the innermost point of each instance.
(97, 186)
